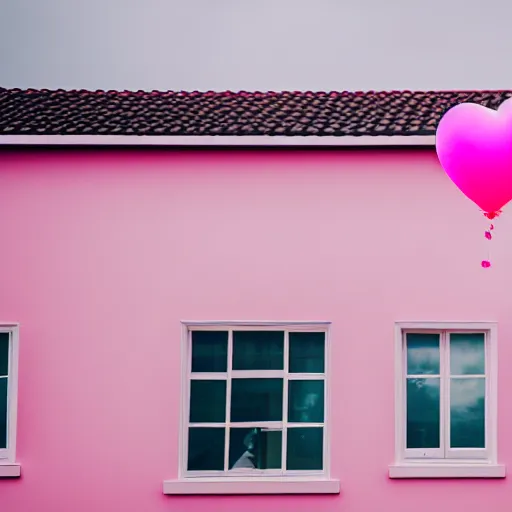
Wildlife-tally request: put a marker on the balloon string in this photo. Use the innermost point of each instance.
(488, 235)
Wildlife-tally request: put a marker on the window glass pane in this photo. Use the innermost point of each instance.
(306, 401)
(207, 401)
(304, 448)
(4, 353)
(423, 413)
(258, 350)
(467, 354)
(254, 448)
(307, 352)
(3, 413)
(467, 413)
(257, 400)
(422, 354)
(206, 449)
(209, 351)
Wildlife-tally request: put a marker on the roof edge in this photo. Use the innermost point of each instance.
(219, 140)
(252, 92)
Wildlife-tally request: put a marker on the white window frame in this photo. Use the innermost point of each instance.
(446, 461)
(8, 466)
(253, 481)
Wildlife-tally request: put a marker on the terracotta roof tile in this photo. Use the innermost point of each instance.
(60, 112)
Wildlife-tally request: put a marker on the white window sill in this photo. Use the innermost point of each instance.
(270, 485)
(9, 470)
(447, 470)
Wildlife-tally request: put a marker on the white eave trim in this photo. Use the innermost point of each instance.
(219, 140)
(9, 470)
(285, 485)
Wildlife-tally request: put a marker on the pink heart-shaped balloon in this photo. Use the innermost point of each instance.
(474, 146)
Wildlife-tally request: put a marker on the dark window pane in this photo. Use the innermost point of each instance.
(422, 354)
(467, 354)
(258, 350)
(306, 401)
(467, 413)
(4, 353)
(207, 401)
(209, 351)
(304, 448)
(307, 352)
(3, 413)
(423, 413)
(257, 400)
(254, 448)
(206, 449)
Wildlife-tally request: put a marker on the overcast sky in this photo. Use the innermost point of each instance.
(263, 45)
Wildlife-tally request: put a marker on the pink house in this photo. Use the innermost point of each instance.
(247, 301)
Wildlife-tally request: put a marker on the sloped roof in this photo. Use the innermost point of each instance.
(289, 114)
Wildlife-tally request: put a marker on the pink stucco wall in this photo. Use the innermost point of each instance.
(104, 252)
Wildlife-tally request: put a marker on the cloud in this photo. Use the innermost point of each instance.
(466, 394)
(422, 359)
(467, 357)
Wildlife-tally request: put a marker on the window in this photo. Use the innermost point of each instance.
(255, 401)
(8, 397)
(446, 395)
